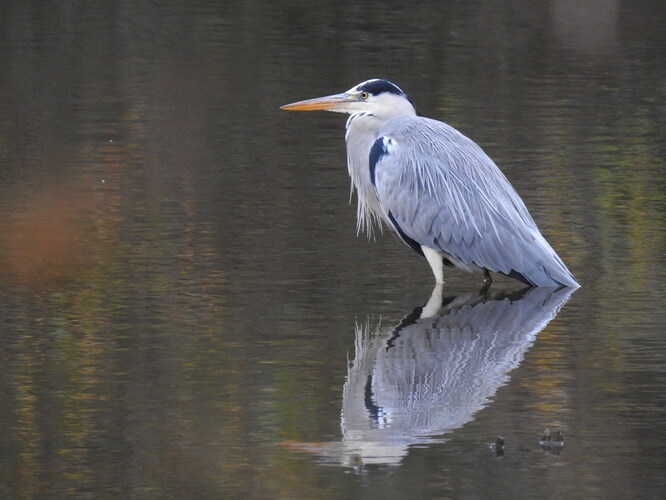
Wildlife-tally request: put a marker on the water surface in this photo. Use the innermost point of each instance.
(186, 311)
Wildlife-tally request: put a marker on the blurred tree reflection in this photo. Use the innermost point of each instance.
(180, 277)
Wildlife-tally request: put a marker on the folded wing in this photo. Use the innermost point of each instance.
(439, 189)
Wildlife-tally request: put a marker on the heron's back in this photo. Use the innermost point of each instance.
(444, 192)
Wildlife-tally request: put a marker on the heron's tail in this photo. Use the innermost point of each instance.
(541, 266)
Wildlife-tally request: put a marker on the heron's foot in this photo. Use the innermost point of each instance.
(487, 281)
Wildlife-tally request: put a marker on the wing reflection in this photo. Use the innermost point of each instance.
(411, 384)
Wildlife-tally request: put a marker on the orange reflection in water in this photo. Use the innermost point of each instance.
(45, 236)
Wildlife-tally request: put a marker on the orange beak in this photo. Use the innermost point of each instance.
(330, 102)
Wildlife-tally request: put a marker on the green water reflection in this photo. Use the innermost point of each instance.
(180, 281)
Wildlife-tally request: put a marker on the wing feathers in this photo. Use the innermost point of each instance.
(444, 192)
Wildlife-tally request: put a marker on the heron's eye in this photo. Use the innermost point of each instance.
(364, 95)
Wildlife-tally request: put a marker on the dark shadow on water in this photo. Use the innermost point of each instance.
(416, 382)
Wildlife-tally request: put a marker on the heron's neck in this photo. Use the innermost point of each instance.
(362, 132)
(364, 123)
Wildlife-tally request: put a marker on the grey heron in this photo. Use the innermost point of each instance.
(436, 189)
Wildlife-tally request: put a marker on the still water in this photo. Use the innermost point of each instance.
(186, 311)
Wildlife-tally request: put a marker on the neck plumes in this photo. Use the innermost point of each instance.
(363, 129)
(362, 132)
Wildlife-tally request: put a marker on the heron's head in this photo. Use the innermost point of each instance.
(378, 97)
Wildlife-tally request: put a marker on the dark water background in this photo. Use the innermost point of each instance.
(185, 308)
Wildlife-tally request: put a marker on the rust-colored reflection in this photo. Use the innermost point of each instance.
(45, 236)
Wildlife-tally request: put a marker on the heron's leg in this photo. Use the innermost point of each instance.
(487, 281)
(434, 304)
(434, 258)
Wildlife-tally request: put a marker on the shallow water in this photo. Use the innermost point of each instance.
(186, 311)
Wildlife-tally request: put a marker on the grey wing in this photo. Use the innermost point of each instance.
(439, 189)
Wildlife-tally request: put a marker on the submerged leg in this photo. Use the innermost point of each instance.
(434, 258)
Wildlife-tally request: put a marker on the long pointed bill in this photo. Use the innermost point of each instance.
(330, 102)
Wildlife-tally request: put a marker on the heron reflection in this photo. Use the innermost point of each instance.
(430, 374)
